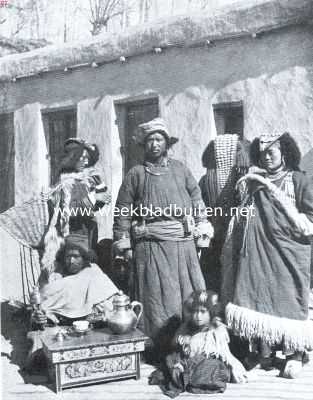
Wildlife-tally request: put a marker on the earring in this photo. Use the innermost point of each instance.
(283, 163)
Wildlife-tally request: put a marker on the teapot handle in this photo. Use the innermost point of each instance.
(133, 305)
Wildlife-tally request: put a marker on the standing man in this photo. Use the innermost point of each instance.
(166, 265)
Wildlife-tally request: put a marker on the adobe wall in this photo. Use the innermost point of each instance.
(272, 74)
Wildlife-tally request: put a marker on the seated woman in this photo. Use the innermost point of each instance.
(77, 289)
(200, 360)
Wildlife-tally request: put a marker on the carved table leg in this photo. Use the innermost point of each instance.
(58, 383)
(137, 366)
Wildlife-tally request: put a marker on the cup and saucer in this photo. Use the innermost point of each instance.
(80, 328)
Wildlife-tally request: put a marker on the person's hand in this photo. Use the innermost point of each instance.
(104, 197)
(176, 372)
(34, 297)
(128, 255)
(239, 373)
(257, 170)
(39, 317)
(203, 234)
(121, 245)
(184, 342)
(102, 310)
(139, 230)
(255, 177)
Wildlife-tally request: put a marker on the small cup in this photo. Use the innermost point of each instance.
(81, 326)
(203, 241)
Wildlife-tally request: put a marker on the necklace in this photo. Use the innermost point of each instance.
(277, 175)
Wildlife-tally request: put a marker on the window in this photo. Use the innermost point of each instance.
(59, 126)
(7, 164)
(229, 118)
(137, 113)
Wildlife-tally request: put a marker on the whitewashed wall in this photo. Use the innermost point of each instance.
(271, 74)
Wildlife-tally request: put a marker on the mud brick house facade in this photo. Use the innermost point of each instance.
(245, 70)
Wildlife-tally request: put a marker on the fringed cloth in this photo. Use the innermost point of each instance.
(20, 269)
(266, 267)
(203, 368)
(31, 223)
(27, 223)
(225, 148)
(226, 159)
(250, 324)
(210, 343)
(22, 229)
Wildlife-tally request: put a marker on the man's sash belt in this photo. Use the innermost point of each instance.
(171, 230)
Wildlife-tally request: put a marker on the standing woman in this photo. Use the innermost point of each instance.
(266, 257)
(226, 159)
(72, 202)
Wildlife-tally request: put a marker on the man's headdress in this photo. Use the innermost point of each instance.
(155, 125)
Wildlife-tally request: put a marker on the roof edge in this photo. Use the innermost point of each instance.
(180, 31)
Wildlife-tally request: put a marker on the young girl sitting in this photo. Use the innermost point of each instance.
(200, 360)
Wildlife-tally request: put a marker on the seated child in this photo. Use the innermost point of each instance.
(200, 360)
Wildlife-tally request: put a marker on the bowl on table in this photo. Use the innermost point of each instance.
(81, 326)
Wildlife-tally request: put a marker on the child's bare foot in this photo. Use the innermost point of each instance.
(292, 369)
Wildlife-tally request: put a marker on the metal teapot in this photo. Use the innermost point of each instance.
(123, 317)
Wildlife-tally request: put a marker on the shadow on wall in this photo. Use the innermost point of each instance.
(307, 163)
(117, 270)
(14, 325)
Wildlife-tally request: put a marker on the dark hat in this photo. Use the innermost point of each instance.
(268, 139)
(77, 241)
(92, 149)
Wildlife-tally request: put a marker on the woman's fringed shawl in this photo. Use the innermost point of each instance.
(266, 269)
(32, 226)
(61, 198)
(250, 324)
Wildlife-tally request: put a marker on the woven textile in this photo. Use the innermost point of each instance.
(27, 223)
(225, 148)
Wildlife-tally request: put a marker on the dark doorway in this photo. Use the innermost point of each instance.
(7, 164)
(137, 113)
(59, 126)
(229, 118)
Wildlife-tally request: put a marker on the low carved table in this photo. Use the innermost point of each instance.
(96, 356)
